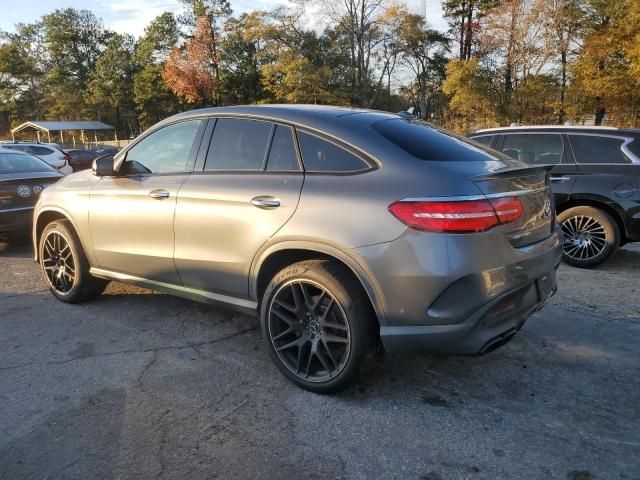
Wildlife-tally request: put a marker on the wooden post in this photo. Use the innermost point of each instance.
(82, 137)
(73, 136)
(49, 136)
(38, 135)
(95, 137)
(61, 137)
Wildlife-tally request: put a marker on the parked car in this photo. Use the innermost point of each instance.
(595, 179)
(22, 179)
(50, 153)
(341, 229)
(106, 151)
(80, 159)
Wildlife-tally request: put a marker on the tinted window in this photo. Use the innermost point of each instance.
(427, 142)
(534, 149)
(21, 163)
(39, 150)
(484, 139)
(22, 148)
(164, 151)
(635, 147)
(594, 149)
(282, 155)
(321, 156)
(238, 144)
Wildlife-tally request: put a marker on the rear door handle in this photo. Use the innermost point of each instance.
(159, 194)
(562, 179)
(265, 201)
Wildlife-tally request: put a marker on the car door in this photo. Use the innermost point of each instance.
(609, 172)
(544, 148)
(245, 187)
(131, 215)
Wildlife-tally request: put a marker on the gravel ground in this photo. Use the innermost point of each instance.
(141, 385)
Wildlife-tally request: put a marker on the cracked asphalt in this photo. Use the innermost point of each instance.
(143, 385)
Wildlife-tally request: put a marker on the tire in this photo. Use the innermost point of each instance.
(324, 335)
(591, 236)
(65, 266)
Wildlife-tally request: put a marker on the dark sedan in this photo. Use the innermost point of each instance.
(81, 159)
(22, 178)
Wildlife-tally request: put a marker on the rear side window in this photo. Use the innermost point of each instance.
(427, 142)
(282, 154)
(595, 149)
(635, 147)
(39, 150)
(238, 144)
(534, 149)
(21, 148)
(484, 139)
(323, 156)
(21, 163)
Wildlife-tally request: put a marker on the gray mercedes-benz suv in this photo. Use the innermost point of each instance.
(346, 231)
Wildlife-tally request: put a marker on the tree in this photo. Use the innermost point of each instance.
(73, 39)
(110, 90)
(153, 98)
(471, 103)
(192, 71)
(463, 21)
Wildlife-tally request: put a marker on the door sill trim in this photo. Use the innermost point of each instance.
(246, 306)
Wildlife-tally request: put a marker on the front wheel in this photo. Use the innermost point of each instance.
(319, 326)
(590, 236)
(64, 265)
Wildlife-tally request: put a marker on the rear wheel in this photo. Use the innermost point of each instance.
(590, 236)
(319, 325)
(65, 266)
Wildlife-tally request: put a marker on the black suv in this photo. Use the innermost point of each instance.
(595, 179)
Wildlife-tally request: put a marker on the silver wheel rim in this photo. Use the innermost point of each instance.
(584, 238)
(58, 264)
(309, 330)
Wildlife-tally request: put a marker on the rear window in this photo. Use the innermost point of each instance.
(428, 142)
(596, 149)
(21, 163)
(39, 150)
(484, 139)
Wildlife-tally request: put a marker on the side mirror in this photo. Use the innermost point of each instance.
(103, 166)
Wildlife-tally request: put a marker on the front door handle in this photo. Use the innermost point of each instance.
(159, 194)
(562, 179)
(265, 201)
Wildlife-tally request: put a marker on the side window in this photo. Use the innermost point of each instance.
(594, 149)
(322, 156)
(15, 147)
(535, 149)
(635, 147)
(39, 150)
(282, 155)
(484, 139)
(164, 151)
(238, 144)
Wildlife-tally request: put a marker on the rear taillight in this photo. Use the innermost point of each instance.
(457, 216)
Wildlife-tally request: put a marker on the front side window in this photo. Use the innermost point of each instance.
(595, 149)
(164, 151)
(238, 144)
(320, 155)
(535, 148)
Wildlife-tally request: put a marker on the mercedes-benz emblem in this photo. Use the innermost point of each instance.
(36, 189)
(24, 190)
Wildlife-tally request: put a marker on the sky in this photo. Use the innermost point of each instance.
(131, 16)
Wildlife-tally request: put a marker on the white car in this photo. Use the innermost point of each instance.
(49, 153)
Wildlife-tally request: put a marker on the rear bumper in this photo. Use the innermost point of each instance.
(459, 294)
(16, 219)
(488, 328)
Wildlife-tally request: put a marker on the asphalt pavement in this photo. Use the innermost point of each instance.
(142, 385)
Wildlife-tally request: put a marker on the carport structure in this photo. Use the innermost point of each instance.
(53, 129)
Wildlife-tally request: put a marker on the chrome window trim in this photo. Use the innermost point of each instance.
(459, 198)
(21, 209)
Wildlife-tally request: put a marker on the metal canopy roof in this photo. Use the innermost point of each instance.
(62, 126)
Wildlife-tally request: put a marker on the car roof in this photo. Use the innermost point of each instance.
(561, 128)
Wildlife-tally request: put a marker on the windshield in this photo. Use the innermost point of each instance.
(430, 142)
(22, 163)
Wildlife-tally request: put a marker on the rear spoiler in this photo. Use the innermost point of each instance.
(514, 172)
